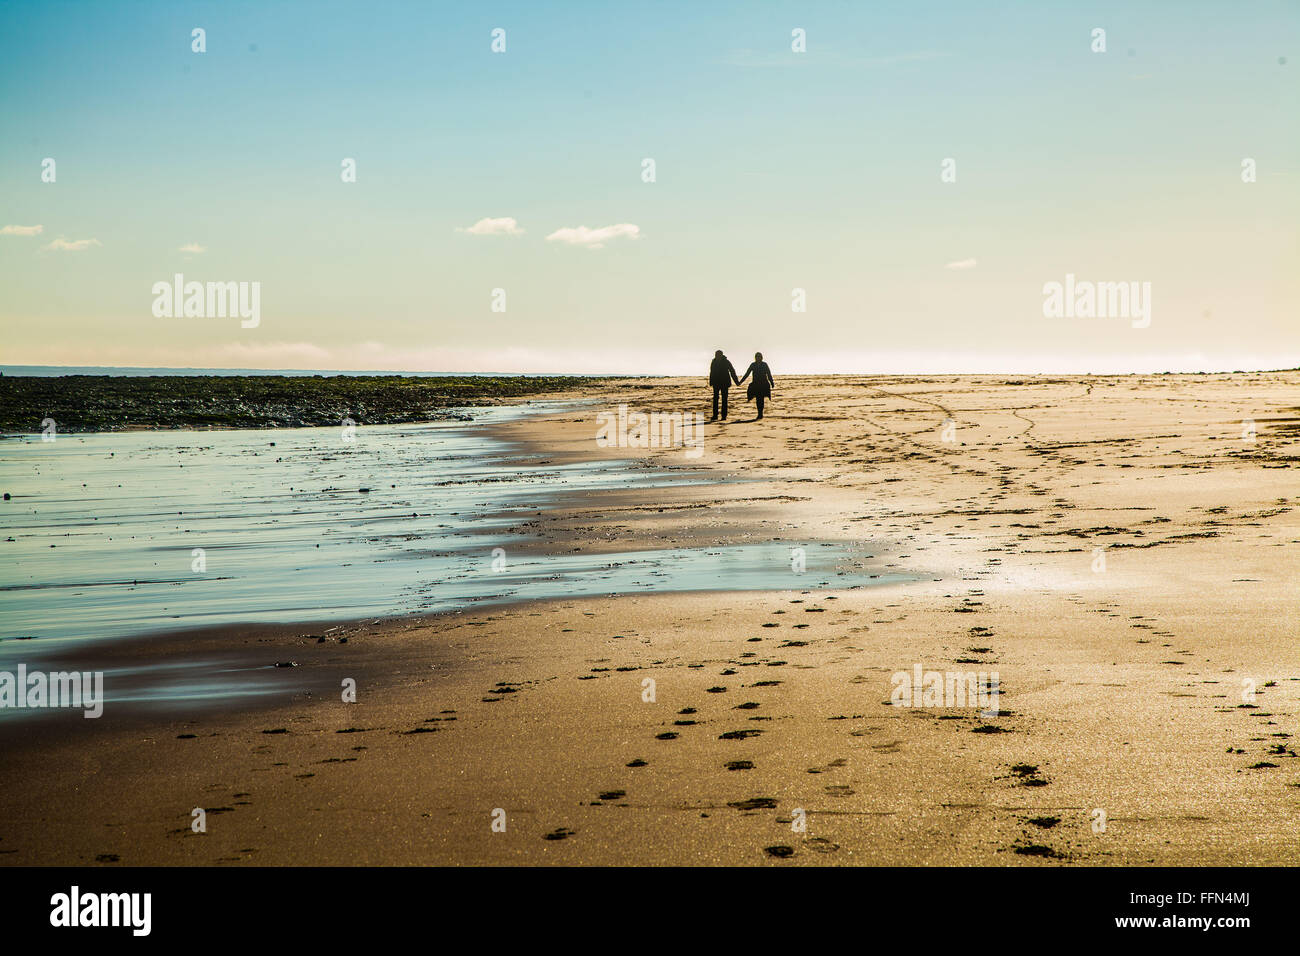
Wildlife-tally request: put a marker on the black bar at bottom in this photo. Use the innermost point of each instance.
(963, 906)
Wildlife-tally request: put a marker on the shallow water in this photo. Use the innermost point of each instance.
(100, 536)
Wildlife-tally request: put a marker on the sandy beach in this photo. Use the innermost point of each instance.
(1120, 551)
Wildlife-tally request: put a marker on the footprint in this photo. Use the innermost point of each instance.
(1028, 774)
(754, 803)
(1037, 849)
(821, 845)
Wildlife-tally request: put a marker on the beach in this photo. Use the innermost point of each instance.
(1118, 554)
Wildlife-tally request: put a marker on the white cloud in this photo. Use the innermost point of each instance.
(193, 247)
(21, 230)
(273, 355)
(961, 264)
(75, 245)
(505, 226)
(594, 238)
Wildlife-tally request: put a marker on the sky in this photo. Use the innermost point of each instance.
(774, 171)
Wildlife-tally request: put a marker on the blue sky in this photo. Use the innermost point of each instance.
(775, 170)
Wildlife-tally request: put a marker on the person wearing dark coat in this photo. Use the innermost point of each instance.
(761, 387)
(721, 375)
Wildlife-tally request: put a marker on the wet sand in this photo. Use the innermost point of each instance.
(1127, 733)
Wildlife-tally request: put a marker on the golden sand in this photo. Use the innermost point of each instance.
(1123, 552)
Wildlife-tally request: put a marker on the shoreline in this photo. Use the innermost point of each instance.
(573, 387)
(105, 404)
(1120, 689)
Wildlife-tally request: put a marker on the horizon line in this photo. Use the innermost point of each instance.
(292, 372)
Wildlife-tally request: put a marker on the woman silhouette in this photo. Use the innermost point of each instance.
(761, 387)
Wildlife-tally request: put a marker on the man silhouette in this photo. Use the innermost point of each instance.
(721, 375)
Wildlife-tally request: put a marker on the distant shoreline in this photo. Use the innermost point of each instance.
(104, 403)
(145, 371)
(80, 403)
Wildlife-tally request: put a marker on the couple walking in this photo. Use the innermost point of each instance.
(722, 373)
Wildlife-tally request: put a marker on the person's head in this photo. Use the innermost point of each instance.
(718, 354)
(758, 356)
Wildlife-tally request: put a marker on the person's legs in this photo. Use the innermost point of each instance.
(715, 402)
(760, 405)
(724, 402)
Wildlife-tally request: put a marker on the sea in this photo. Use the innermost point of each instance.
(107, 536)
